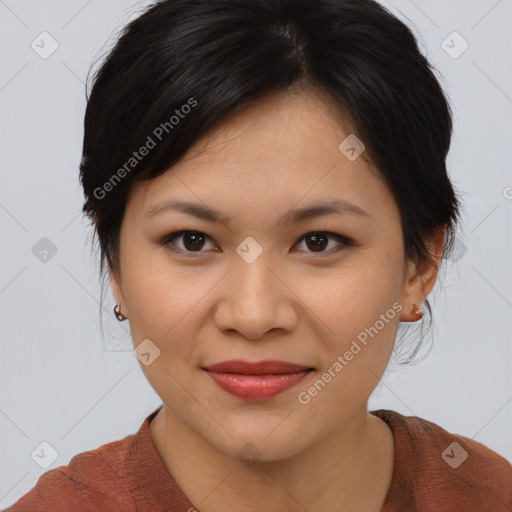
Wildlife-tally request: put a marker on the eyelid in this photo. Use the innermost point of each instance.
(168, 239)
(344, 241)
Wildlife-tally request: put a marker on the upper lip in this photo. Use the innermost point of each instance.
(256, 368)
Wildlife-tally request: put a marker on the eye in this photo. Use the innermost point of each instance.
(317, 241)
(194, 241)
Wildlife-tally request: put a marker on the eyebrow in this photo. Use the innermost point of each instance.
(339, 206)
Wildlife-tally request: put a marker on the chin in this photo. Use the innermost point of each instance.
(259, 443)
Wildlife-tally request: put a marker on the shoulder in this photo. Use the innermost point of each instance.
(92, 481)
(456, 469)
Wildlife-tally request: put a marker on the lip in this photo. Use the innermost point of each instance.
(256, 381)
(260, 368)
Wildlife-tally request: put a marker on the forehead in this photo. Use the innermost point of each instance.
(283, 120)
(284, 150)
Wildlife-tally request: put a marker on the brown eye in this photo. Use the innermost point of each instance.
(195, 241)
(192, 241)
(317, 242)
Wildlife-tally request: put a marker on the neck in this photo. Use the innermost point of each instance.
(352, 466)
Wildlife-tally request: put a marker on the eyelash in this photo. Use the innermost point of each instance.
(346, 242)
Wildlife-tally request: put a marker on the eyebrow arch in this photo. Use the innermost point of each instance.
(339, 206)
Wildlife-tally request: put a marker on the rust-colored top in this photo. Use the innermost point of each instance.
(431, 474)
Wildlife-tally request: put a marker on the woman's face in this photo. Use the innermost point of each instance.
(253, 287)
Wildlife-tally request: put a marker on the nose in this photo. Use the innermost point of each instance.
(255, 300)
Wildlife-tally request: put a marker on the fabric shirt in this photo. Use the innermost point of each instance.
(431, 474)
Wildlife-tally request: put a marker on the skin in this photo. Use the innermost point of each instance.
(292, 303)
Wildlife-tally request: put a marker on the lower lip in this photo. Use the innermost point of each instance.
(256, 387)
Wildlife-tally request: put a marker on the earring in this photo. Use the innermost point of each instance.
(417, 311)
(119, 315)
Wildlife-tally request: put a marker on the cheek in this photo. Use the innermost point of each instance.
(355, 352)
(158, 295)
(163, 309)
(351, 299)
(356, 308)
(167, 307)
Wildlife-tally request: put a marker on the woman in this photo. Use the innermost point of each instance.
(267, 181)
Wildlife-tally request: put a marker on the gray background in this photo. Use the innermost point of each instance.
(63, 383)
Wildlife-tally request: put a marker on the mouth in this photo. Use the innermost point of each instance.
(257, 381)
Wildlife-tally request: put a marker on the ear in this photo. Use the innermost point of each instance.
(117, 292)
(421, 277)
